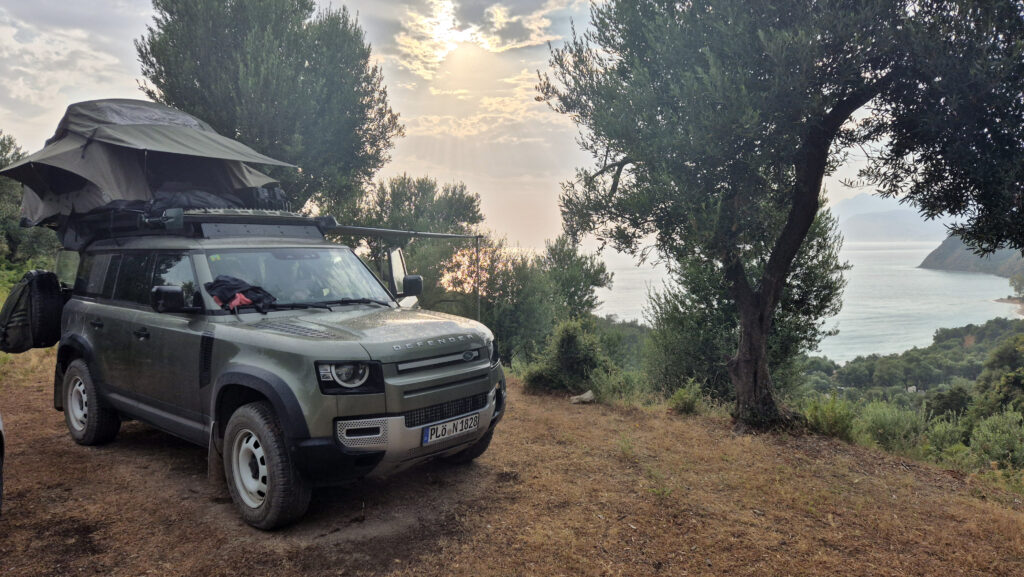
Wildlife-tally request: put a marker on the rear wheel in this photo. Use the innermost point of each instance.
(90, 421)
(267, 489)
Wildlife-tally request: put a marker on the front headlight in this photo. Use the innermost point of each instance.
(350, 375)
(342, 377)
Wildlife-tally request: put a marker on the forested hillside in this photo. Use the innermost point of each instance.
(952, 254)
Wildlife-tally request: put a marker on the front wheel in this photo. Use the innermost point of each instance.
(90, 421)
(472, 452)
(264, 484)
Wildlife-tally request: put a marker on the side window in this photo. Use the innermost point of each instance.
(133, 279)
(111, 276)
(96, 275)
(176, 270)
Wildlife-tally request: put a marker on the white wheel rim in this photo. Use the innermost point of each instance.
(78, 405)
(250, 468)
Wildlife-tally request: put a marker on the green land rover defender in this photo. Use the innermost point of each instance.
(308, 373)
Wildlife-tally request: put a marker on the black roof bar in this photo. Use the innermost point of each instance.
(365, 230)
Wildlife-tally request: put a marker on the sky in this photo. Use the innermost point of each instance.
(461, 73)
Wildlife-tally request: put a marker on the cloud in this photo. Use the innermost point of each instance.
(50, 58)
(43, 71)
(433, 32)
(459, 93)
(508, 114)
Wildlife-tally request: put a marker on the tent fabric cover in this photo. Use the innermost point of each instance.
(151, 126)
(120, 149)
(84, 117)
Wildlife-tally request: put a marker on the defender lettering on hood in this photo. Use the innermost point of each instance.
(433, 342)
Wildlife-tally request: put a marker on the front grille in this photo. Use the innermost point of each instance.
(442, 361)
(445, 410)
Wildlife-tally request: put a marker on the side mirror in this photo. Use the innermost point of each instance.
(412, 285)
(167, 299)
(397, 271)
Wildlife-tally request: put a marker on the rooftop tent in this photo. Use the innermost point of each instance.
(105, 151)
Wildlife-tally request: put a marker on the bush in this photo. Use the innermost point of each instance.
(944, 432)
(1000, 438)
(626, 387)
(892, 428)
(958, 457)
(831, 416)
(571, 358)
(688, 399)
(954, 400)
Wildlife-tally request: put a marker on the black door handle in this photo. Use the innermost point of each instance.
(96, 324)
(142, 333)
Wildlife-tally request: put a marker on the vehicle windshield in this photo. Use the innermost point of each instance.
(301, 275)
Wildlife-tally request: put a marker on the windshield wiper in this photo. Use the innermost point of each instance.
(300, 306)
(358, 301)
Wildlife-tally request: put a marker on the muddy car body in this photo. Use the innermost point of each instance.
(332, 382)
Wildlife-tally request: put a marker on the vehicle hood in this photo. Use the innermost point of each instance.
(388, 335)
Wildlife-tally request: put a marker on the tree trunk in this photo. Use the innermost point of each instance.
(756, 406)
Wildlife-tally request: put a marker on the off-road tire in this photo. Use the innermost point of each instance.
(89, 419)
(268, 491)
(44, 314)
(472, 452)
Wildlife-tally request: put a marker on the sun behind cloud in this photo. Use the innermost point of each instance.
(428, 38)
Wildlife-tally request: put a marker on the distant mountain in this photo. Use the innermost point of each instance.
(895, 225)
(864, 204)
(952, 254)
(870, 218)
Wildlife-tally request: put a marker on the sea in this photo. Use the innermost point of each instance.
(889, 305)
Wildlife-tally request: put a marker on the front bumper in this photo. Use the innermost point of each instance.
(380, 446)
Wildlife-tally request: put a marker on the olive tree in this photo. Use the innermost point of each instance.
(712, 124)
(291, 82)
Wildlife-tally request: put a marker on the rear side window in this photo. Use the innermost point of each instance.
(133, 279)
(96, 275)
(176, 270)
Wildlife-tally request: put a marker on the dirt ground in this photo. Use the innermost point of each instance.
(564, 490)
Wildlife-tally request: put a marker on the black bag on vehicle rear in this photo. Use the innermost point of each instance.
(30, 317)
(263, 198)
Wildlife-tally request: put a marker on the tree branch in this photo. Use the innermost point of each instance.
(810, 171)
(617, 166)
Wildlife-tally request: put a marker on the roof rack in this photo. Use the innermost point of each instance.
(197, 223)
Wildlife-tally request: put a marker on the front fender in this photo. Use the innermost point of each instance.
(271, 386)
(71, 347)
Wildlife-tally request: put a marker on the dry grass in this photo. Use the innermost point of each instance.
(564, 490)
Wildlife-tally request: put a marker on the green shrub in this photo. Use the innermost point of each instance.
(688, 399)
(831, 416)
(1000, 438)
(570, 359)
(890, 427)
(943, 433)
(959, 457)
(627, 387)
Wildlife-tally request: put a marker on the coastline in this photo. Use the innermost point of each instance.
(1014, 301)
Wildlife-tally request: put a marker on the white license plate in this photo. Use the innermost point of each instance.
(442, 431)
